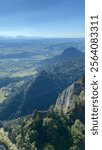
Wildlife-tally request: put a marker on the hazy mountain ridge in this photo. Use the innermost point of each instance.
(70, 53)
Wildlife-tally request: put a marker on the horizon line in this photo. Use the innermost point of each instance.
(39, 37)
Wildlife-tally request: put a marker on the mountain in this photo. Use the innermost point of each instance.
(61, 127)
(70, 53)
(43, 91)
(72, 99)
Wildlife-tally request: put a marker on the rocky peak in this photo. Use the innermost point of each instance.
(69, 95)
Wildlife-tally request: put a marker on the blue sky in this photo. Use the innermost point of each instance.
(42, 18)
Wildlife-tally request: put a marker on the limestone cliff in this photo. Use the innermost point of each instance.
(70, 96)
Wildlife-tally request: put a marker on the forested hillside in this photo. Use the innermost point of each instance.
(52, 130)
(43, 90)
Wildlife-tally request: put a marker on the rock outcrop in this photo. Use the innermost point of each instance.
(68, 98)
(5, 143)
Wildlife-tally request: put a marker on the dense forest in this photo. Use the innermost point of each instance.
(53, 129)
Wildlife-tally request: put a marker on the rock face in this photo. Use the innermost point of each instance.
(5, 143)
(67, 98)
